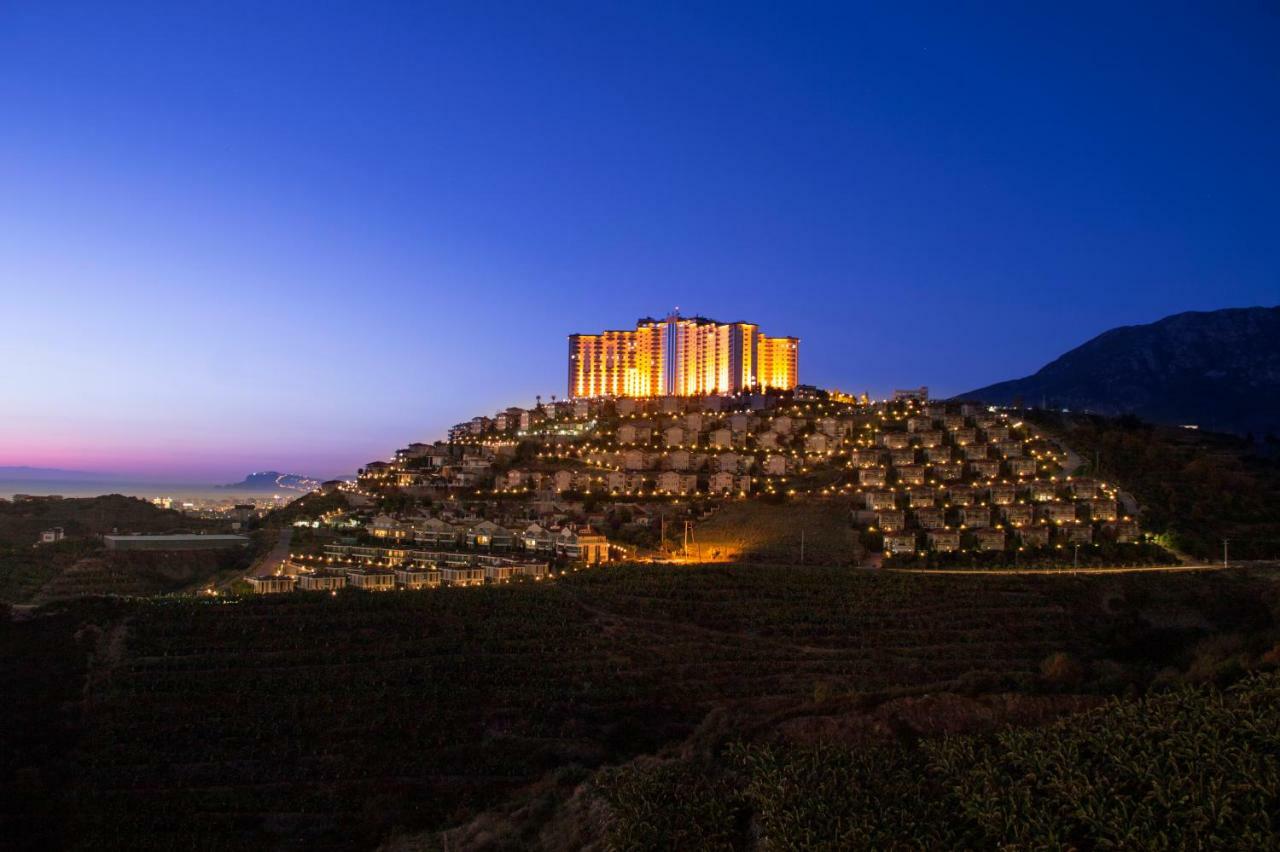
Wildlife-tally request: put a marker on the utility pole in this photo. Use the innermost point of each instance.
(801, 547)
(690, 537)
(1075, 560)
(1224, 551)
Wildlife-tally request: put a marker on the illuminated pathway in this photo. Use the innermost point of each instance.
(274, 562)
(1069, 570)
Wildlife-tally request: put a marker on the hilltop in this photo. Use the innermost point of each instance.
(1219, 370)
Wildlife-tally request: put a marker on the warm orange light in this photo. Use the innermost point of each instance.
(680, 356)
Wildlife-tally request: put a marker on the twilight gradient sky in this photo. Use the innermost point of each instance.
(239, 236)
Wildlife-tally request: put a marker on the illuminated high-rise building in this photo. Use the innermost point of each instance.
(681, 356)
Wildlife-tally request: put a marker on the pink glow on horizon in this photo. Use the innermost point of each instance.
(179, 462)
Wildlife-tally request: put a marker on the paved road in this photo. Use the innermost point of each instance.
(1208, 566)
(274, 562)
(1075, 461)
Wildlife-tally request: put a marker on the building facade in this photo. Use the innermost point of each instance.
(681, 356)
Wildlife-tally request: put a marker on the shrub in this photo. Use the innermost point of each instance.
(1061, 670)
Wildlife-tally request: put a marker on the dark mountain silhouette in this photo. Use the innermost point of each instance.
(274, 480)
(1218, 370)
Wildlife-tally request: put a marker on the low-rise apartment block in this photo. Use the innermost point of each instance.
(418, 578)
(900, 542)
(1022, 467)
(462, 575)
(944, 541)
(984, 468)
(272, 585)
(880, 500)
(930, 519)
(874, 476)
(1034, 536)
(1017, 515)
(989, 538)
(322, 581)
(912, 474)
(891, 520)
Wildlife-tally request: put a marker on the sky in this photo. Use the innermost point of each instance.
(295, 236)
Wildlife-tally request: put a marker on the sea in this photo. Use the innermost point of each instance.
(132, 488)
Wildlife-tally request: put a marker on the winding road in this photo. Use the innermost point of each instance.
(277, 558)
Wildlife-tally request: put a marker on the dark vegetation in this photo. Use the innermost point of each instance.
(495, 713)
(1192, 768)
(21, 522)
(1196, 488)
(81, 565)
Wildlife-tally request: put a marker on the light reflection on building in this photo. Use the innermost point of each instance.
(681, 356)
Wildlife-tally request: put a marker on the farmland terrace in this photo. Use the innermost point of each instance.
(355, 719)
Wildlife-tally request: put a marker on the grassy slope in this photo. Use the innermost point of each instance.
(338, 721)
(770, 532)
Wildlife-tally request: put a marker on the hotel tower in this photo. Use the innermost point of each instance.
(681, 356)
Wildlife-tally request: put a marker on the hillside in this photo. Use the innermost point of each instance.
(21, 522)
(1012, 789)
(498, 713)
(80, 565)
(814, 477)
(1219, 370)
(1196, 488)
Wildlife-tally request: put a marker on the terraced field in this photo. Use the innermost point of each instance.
(339, 722)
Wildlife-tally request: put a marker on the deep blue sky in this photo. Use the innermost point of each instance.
(249, 235)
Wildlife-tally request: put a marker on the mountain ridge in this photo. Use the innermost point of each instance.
(1215, 369)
